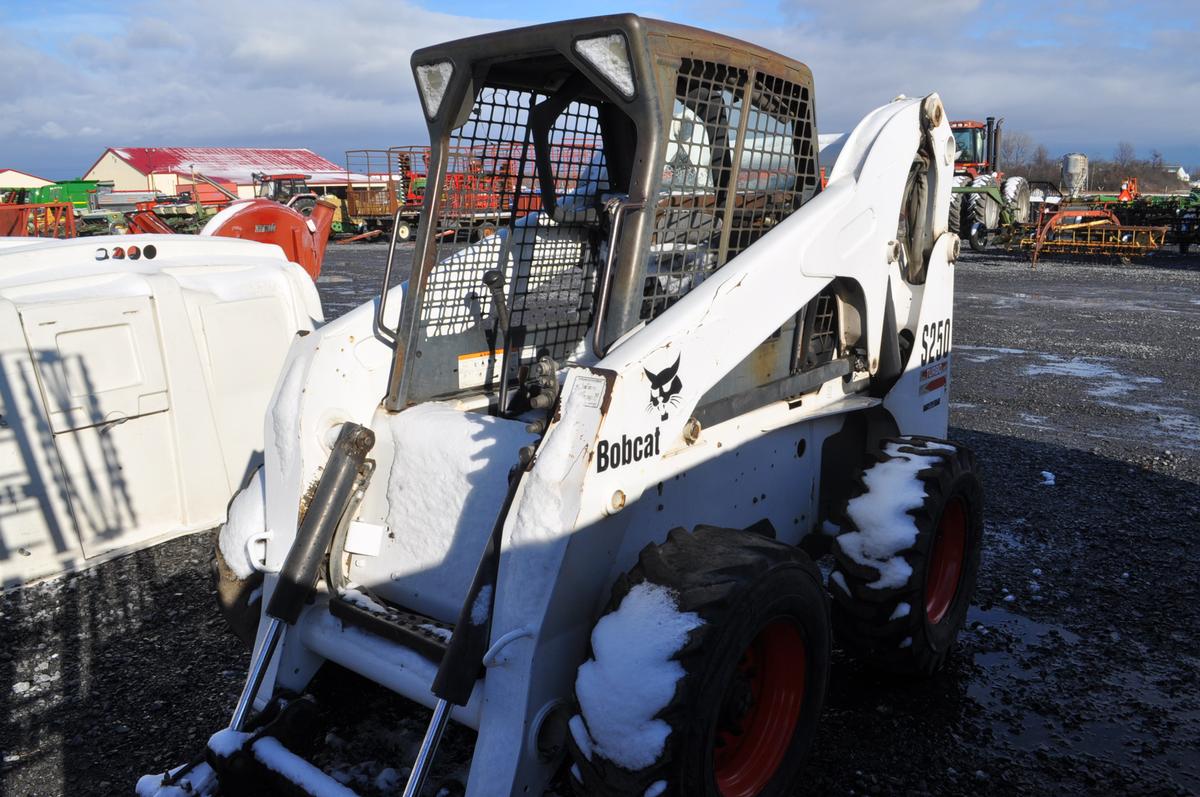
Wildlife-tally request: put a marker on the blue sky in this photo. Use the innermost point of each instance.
(1076, 75)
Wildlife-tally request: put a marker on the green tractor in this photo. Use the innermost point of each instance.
(984, 203)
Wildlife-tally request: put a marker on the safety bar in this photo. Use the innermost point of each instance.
(380, 327)
(616, 207)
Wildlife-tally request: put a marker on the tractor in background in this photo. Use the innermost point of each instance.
(289, 189)
(984, 201)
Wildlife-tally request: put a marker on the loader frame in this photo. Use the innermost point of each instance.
(731, 340)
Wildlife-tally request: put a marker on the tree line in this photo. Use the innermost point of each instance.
(1019, 154)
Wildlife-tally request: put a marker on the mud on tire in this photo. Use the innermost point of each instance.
(239, 600)
(765, 627)
(874, 623)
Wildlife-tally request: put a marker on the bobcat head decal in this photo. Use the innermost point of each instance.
(664, 388)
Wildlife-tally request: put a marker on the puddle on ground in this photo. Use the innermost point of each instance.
(1029, 665)
(1168, 420)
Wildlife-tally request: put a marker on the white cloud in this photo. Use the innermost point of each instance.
(53, 130)
(304, 73)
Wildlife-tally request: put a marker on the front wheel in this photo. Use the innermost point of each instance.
(707, 672)
(978, 237)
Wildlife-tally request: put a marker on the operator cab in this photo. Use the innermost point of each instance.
(280, 187)
(970, 143)
(632, 159)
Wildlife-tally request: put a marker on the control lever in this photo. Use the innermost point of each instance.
(494, 280)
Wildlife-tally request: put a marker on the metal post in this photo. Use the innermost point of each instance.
(429, 745)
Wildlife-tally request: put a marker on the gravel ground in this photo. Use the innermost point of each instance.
(1077, 674)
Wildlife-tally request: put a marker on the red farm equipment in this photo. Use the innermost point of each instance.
(39, 220)
(480, 188)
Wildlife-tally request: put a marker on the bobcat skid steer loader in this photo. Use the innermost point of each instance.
(568, 496)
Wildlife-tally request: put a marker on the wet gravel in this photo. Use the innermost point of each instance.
(1077, 673)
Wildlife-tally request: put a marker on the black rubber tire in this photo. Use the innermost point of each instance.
(403, 232)
(304, 206)
(978, 237)
(981, 210)
(738, 582)
(865, 618)
(955, 223)
(239, 600)
(1016, 195)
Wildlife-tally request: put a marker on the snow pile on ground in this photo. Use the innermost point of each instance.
(247, 519)
(631, 677)
(881, 514)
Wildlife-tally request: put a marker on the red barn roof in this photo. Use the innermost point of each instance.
(234, 164)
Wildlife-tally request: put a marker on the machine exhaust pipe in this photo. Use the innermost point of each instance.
(991, 142)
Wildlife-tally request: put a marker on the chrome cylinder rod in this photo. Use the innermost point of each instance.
(258, 671)
(429, 746)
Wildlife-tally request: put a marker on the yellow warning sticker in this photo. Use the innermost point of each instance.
(475, 369)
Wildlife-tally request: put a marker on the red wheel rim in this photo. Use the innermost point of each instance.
(946, 563)
(760, 710)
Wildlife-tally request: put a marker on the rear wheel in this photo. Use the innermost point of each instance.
(742, 692)
(304, 205)
(955, 224)
(983, 214)
(1016, 196)
(905, 574)
(403, 231)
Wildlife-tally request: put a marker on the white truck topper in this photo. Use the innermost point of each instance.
(134, 375)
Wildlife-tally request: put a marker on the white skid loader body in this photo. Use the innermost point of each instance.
(131, 389)
(707, 405)
(575, 508)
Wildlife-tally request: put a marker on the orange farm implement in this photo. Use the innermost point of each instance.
(40, 220)
(1090, 232)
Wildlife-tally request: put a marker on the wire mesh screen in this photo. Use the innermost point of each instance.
(555, 262)
(491, 183)
(778, 164)
(818, 343)
(696, 174)
(747, 165)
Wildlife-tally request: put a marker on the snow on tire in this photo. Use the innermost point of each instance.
(670, 700)
(907, 557)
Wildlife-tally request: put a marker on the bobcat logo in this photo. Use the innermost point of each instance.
(664, 388)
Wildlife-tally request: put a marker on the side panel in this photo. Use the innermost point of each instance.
(920, 399)
(37, 531)
(122, 481)
(246, 342)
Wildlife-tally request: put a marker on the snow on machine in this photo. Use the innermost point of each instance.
(570, 496)
(134, 376)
